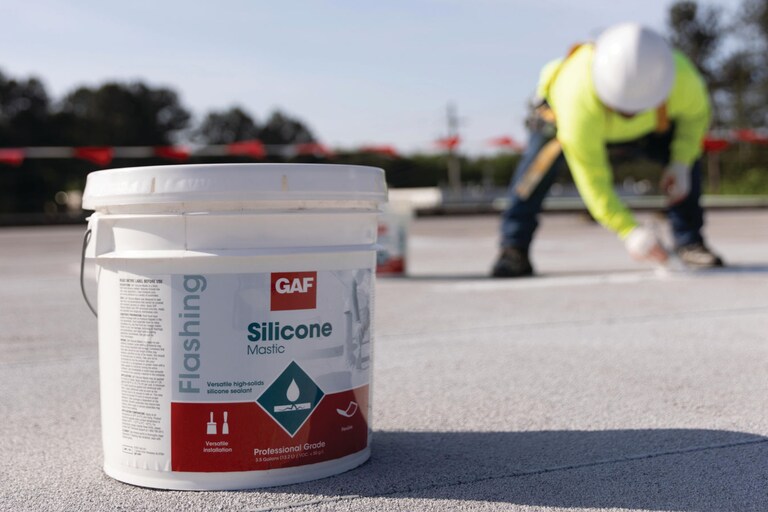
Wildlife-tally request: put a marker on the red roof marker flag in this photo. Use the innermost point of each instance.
(97, 155)
(384, 150)
(448, 142)
(172, 152)
(753, 136)
(252, 148)
(505, 141)
(715, 145)
(313, 148)
(11, 156)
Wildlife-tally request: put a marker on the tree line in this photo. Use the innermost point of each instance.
(111, 114)
(126, 114)
(730, 47)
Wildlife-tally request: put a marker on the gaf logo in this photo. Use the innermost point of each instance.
(293, 290)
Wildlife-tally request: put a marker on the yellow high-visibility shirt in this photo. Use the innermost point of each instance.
(585, 126)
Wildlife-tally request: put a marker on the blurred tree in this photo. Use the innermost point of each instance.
(754, 57)
(740, 106)
(697, 31)
(121, 114)
(24, 112)
(754, 15)
(283, 129)
(227, 127)
(236, 124)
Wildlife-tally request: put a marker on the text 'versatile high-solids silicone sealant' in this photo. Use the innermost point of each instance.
(235, 321)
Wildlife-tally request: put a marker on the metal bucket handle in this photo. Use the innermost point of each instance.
(86, 241)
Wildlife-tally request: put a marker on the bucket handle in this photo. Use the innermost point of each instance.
(86, 241)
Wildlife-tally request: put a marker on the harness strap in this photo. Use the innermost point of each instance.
(662, 119)
(536, 171)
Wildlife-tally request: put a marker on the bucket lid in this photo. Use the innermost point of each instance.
(177, 184)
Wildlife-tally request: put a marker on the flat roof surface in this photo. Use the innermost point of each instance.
(599, 384)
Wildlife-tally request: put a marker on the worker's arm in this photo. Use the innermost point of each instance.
(689, 109)
(580, 131)
(593, 176)
(594, 179)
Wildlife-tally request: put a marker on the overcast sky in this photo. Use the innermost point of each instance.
(357, 72)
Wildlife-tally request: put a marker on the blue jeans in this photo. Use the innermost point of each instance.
(520, 220)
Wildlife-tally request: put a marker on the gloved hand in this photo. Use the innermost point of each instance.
(676, 181)
(643, 245)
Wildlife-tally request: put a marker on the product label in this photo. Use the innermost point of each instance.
(247, 371)
(144, 365)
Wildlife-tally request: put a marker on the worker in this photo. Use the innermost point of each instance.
(627, 93)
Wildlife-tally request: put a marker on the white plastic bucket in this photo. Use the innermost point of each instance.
(394, 224)
(235, 321)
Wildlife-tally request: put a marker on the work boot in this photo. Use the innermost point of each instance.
(512, 262)
(698, 255)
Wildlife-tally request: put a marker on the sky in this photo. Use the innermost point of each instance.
(356, 72)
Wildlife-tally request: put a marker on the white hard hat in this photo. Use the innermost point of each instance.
(632, 68)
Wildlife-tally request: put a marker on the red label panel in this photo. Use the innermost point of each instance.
(293, 290)
(250, 439)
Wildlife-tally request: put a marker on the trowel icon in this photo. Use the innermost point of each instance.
(351, 410)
